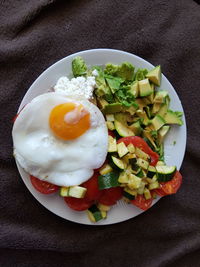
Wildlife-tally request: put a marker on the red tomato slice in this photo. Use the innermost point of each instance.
(110, 196)
(142, 203)
(78, 204)
(140, 143)
(93, 192)
(170, 187)
(42, 186)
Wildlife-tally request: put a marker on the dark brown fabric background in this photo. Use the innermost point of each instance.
(35, 34)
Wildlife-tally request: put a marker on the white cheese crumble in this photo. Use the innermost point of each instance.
(76, 86)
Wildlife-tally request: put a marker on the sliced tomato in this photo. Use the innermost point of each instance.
(110, 196)
(78, 204)
(43, 186)
(140, 143)
(141, 202)
(170, 187)
(93, 192)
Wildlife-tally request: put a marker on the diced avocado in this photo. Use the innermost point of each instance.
(113, 83)
(122, 129)
(157, 122)
(140, 102)
(105, 92)
(105, 169)
(102, 103)
(122, 149)
(110, 117)
(162, 110)
(160, 96)
(162, 133)
(172, 117)
(134, 181)
(136, 127)
(110, 125)
(154, 75)
(77, 191)
(134, 89)
(148, 111)
(79, 67)
(112, 144)
(132, 109)
(123, 177)
(145, 88)
(156, 107)
(143, 163)
(151, 96)
(112, 108)
(143, 116)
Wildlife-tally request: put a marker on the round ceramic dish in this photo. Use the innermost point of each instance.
(173, 153)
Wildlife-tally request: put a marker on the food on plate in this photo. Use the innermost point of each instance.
(99, 137)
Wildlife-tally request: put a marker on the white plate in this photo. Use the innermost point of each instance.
(173, 153)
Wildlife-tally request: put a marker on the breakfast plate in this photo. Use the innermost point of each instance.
(174, 145)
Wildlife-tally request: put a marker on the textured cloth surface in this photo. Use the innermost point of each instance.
(35, 34)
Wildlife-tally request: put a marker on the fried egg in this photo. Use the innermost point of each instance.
(60, 139)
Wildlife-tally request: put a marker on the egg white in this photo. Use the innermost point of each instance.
(43, 155)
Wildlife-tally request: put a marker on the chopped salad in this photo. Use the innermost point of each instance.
(138, 118)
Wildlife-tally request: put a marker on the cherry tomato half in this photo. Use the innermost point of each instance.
(78, 204)
(141, 202)
(110, 196)
(43, 186)
(93, 192)
(170, 187)
(140, 143)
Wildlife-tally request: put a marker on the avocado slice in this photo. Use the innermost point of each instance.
(173, 117)
(102, 103)
(154, 75)
(136, 127)
(155, 108)
(112, 108)
(163, 110)
(160, 96)
(145, 88)
(134, 89)
(157, 122)
(142, 114)
(162, 133)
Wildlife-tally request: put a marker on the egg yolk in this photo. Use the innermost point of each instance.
(69, 120)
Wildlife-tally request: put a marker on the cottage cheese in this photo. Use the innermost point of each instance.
(76, 86)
